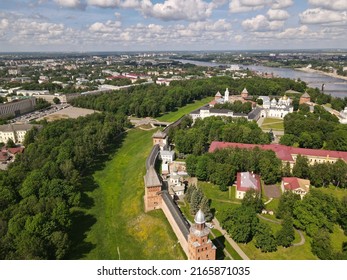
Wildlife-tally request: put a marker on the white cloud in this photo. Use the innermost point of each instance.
(130, 4)
(261, 23)
(108, 27)
(219, 25)
(192, 10)
(238, 38)
(70, 3)
(295, 33)
(321, 16)
(104, 3)
(281, 4)
(243, 6)
(277, 14)
(339, 5)
(4, 23)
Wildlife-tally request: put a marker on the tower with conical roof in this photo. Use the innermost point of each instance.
(200, 247)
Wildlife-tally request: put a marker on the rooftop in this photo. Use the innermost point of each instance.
(293, 183)
(284, 153)
(151, 178)
(247, 181)
(159, 134)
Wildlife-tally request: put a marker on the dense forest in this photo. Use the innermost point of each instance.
(221, 166)
(40, 188)
(316, 130)
(153, 100)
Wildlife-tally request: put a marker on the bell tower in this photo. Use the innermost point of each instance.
(200, 247)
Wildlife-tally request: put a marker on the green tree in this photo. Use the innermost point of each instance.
(253, 200)
(264, 238)
(339, 173)
(286, 170)
(286, 235)
(241, 223)
(286, 204)
(197, 196)
(321, 245)
(301, 168)
(10, 143)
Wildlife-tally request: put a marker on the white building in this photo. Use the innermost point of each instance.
(281, 108)
(167, 156)
(176, 187)
(343, 116)
(206, 112)
(16, 132)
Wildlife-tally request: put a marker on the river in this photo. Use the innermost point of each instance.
(334, 86)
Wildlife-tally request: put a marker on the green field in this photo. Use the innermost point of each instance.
(174, 116)
(272, 123)
(119, 228)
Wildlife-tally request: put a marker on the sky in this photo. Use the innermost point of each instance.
(171, 25)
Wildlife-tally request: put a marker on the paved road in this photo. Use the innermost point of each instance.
(230, 240)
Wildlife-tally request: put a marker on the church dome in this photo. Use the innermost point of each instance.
(285, 97)
(200, 218)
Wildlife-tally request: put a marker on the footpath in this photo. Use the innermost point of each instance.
(230, 240)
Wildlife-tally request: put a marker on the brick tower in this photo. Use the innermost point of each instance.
(200, 247)
(152, 197)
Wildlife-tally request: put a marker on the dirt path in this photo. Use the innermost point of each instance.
(300, 243)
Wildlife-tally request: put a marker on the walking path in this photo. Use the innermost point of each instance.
(302, 237)
(230, 240)
(225, 251)
(267, 202)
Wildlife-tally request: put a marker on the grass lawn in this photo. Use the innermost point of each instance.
(174, 116)
(292, 253)
(213, 192)
(273, 205)
(121, 229)
(275, 124)
(338, 193)
(338, 238)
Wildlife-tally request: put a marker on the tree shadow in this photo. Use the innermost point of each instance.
(219, 242)
(81, 224)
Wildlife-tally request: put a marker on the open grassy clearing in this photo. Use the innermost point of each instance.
(272, 123)
(121, 229)
(173, 116)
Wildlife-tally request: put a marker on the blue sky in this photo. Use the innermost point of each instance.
(149, 25)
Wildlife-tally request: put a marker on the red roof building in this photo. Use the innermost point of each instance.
(247, 181)
(286, 153)
(295, 185)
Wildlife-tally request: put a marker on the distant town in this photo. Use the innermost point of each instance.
(174, 155)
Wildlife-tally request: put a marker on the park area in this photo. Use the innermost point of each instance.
(272, 123)
(112, 224)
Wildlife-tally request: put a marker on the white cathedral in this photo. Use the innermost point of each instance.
(276, 109)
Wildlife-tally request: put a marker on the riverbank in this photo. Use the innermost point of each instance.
(310, 70)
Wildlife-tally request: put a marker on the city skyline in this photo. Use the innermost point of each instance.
(147, 25)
